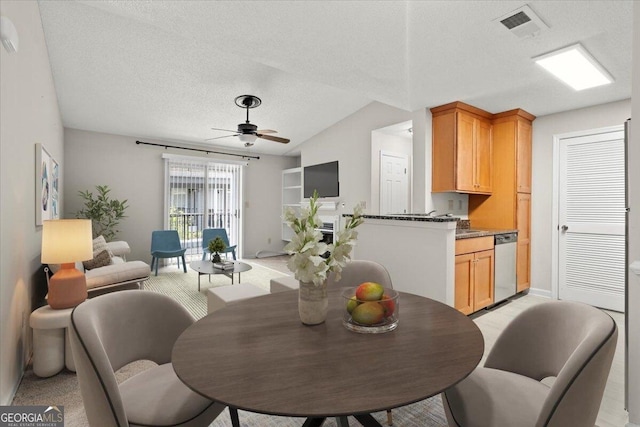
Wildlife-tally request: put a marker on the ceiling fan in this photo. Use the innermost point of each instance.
(248, 132)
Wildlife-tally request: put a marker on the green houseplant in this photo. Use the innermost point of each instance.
(104, 212)
(216, 246)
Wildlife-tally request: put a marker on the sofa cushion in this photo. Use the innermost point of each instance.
(117, 273)
(99, 260)
(99, 245)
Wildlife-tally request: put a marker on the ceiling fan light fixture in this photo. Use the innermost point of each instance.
(247, 137)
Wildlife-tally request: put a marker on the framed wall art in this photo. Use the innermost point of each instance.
(47, 186)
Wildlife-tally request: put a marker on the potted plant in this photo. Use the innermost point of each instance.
(105, 213)
(215, 247)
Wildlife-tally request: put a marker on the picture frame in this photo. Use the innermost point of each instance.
(47, 189)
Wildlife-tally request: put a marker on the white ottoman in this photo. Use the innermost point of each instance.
(51, 347)
(285, 283)
(222, 296)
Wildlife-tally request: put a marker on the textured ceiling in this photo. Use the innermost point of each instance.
(170, 70)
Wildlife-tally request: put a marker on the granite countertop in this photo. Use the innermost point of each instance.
(465, 233)
(409, 217)
(462, 232)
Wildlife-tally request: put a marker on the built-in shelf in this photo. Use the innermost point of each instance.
(291, 196)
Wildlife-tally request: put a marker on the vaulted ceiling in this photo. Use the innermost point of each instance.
(170, 70)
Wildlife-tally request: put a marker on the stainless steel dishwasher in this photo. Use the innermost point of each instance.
(505, 266)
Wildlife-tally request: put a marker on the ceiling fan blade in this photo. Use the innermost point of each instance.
(226, 130)
(267, 131)
(273, 138)
(219, 137)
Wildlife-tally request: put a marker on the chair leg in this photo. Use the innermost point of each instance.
(184, 264)
(233, 252)
(156, 263)
(389, 417)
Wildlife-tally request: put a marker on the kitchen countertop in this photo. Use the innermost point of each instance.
(410, 217)
(463, 233)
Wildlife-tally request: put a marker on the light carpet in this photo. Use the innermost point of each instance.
(63, 390)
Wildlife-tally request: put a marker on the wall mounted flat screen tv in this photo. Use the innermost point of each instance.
(323, 178)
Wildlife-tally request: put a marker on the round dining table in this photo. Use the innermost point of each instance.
(256, 355)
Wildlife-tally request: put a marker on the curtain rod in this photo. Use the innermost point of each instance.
(244, 156)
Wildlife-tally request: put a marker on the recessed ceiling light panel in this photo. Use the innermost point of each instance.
(576, 67)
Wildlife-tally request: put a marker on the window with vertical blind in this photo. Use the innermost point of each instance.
(200, 194)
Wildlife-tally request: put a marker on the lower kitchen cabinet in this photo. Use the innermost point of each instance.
(474, 285)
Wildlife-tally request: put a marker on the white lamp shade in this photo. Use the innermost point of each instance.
(66, 241)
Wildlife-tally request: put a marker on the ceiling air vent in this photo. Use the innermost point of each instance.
(522, 22)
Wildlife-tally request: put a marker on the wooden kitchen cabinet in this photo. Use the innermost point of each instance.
(523, 156)
(474, 274)
(509, 205)
(461, 149)
(523, 251)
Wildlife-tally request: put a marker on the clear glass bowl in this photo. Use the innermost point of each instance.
(370, 317)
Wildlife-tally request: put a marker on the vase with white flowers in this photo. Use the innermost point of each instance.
(312, 260)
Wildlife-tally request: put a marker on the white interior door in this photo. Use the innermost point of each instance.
(394, 183)
(591, 240)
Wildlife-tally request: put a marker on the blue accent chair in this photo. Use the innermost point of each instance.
(166, 244)
(209, 234)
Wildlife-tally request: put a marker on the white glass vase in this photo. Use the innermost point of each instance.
(313, 303)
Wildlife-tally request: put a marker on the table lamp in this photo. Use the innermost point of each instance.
(65, 241)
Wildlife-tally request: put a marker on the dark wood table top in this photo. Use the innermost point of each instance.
(256, 355)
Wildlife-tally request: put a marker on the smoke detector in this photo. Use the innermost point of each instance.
(522, 22)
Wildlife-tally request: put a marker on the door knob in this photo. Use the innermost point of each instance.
(564, 227)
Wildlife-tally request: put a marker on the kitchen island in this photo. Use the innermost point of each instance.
(420, 252)
(417, 250)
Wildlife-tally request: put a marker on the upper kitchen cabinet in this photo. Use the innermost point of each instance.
(509, 206)
(462, 149)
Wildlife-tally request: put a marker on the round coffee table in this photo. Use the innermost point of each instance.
(206, 267)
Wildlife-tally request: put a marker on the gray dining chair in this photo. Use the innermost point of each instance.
(358, 271)
(109, 332)
(548, 368)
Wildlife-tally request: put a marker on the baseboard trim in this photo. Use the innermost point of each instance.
(12, 395)
(540, 293)
(631, 425)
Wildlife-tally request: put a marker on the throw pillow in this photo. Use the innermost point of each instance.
(100, 260)
(99, 245)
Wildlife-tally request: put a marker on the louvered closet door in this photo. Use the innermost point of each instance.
(592, 220)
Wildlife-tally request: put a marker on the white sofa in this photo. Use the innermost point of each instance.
(119, 275)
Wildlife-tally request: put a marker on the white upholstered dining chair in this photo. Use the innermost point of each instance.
(113, 330)
(358, 271)
(548, 368)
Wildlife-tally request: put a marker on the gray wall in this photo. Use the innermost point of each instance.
(136, 173)
(349, 142)
(544, 128)
(29, 115)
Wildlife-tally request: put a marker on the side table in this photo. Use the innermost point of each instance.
(51, 347)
